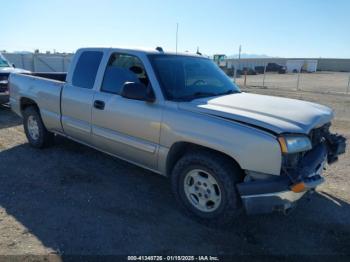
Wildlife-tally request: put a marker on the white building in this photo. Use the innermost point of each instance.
(292, 65)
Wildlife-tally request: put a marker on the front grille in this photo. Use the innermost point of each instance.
(290, 162)
(317, 134)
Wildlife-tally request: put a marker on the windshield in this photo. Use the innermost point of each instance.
(3, 62)
(187, 78)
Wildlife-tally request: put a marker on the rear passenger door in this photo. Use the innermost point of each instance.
(77, 97)
(127, 128)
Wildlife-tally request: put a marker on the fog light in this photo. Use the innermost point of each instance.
(297, 188)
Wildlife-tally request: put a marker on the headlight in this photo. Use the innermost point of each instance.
(294, 143)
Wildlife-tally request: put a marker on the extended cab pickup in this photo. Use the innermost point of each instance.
(6, 68)
(180, 116)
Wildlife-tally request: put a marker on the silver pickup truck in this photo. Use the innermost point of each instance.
(180, 116)
(6, 68)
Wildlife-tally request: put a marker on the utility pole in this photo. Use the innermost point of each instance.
(264, 74)
(239, 58)
(239, 52)
(298, 80)
(177, 32)
(239, 55)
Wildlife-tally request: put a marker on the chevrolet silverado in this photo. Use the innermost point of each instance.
(180, 116)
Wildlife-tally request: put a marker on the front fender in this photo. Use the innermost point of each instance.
(253, 149)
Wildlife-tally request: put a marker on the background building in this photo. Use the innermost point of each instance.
(293, 64)
(59, 62)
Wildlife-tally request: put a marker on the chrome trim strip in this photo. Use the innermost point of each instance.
(50, 114)
(79, 125)
(288, 195)
(108, 153)
(121, 138)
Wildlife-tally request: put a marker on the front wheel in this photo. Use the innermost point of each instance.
(34, 128)
(204, 184)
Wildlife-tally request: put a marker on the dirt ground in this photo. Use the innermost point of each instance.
(70, 199)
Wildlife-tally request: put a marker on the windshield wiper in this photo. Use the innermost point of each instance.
(229, 92)
(197, 95)
(205, 94)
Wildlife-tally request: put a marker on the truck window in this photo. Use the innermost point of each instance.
(86, 69)
(187, 77)
(123, 68)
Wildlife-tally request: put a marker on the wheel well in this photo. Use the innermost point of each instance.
(180, 148)
(26, 102)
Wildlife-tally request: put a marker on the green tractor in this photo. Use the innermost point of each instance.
(221, 61)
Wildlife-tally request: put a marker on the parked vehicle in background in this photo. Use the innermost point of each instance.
(248, 71)
(179, 115)
(259, 69)
(229, 71)
(273, 67)
(6, 68)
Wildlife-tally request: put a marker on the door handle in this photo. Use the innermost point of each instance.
(98, 104)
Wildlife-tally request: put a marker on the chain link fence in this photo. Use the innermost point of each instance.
(319, 81)
(323, 82)
(291, 74)
(38, 62)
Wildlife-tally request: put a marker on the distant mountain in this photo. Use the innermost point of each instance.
(249, 56)
(21, 52)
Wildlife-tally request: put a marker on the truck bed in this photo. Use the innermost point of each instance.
(59, 76)
(45, 91)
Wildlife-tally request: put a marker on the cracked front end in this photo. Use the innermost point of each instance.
(304, 159)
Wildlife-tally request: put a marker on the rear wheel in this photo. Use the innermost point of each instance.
(204, 184)
(34, 128)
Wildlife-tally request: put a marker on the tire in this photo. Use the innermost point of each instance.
(34, 128)
(224, 172)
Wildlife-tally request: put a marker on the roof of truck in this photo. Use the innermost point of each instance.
(143, 50)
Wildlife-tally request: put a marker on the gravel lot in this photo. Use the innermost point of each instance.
(71, 199)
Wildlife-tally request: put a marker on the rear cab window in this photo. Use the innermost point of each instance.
(86, 69)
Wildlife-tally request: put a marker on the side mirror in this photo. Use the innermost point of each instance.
(13, 65)
(137, 91)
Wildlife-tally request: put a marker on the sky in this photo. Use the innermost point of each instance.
(281, 28)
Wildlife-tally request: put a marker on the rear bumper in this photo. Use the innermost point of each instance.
(276, 194)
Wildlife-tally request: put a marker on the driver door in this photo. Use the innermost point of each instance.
(124, 127)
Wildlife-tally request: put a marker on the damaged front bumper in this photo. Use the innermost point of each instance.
(280, 193)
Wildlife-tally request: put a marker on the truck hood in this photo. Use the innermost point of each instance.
(276, 114)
